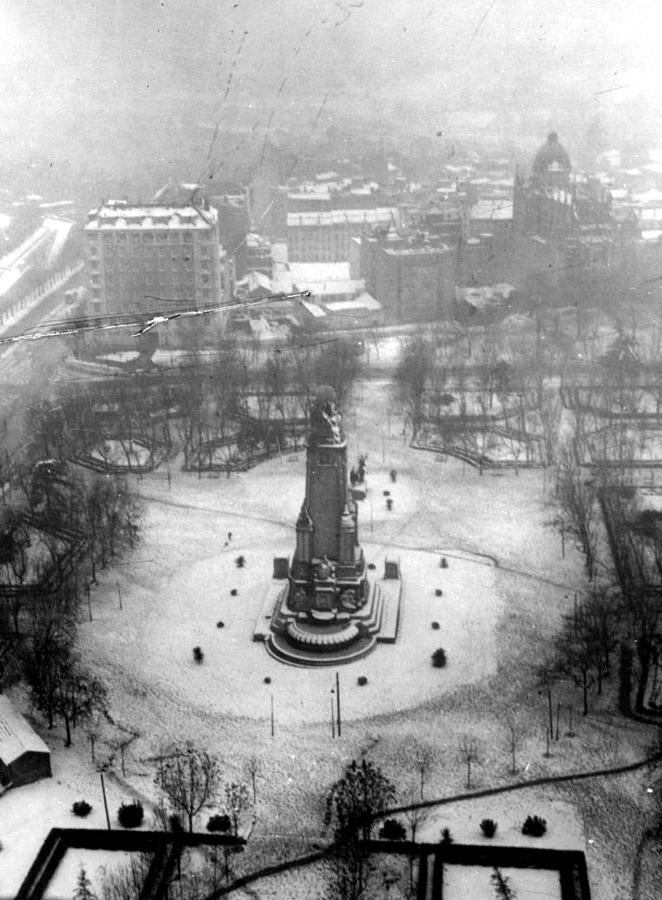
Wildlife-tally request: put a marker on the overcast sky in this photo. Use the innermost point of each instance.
(97, 62)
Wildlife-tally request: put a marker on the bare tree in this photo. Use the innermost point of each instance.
(577, 499)
(412, 376)
(468, 750)
(237, 802)
(127, 882)
(501, 884)
(513, 743)
(253, 768)
(189, 778)
(353, 802)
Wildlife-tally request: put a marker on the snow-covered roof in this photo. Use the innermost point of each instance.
(363, 301)
(254, 281)
(384, 214)
(501, 210)
(123, 217)
(319, 272)
(16, 735)
(14, 265)
(313, 309)
(331, 288)
(61, 229)
(484, 296)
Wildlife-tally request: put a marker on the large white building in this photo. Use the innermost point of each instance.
(145, 258)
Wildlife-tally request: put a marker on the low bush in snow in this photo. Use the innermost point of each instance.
(393, 830)
(130, 815)
(488, 827)
(81, 808)
(219, 823)
(534, 826)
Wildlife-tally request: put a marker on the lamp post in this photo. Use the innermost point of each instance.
(333, 720)
(338, 701)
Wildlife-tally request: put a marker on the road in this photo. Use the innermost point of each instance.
(26, 367)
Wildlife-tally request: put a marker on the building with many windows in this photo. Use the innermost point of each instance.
(142, 258)
(326, 236)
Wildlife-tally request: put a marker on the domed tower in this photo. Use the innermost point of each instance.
(544, 204)
(551, 164)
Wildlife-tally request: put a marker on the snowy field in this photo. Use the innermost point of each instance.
(176, 587)
(464, 882)
(98, 864)
(122, 453)
(28, 813)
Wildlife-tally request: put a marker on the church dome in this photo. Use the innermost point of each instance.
(552, 157)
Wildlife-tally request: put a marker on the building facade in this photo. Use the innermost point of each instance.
(139, 256)
(413, 278)
(326, 236)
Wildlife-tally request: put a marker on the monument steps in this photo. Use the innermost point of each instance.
(279, 648)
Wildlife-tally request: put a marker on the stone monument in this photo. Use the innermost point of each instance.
(321, 607)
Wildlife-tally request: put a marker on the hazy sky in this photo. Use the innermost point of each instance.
(74, 67)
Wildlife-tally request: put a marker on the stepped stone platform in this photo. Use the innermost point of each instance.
(318, 639)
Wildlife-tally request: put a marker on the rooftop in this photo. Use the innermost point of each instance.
(318, 272)
(123, 217)
(16, 734)
(363, 301)
(383, 214)
(494, 210)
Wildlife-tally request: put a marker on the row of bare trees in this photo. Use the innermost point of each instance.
(622, 551)
(241, 394)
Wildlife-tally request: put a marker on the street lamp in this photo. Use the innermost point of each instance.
(333, 721)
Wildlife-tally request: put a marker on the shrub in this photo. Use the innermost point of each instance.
(372, 566)
(387, 493)
(219, 823)
(220, 624)
(240, 562)
(81, 808)
(175, 824)
(488, 827)
(438, 592)
(130, 815)
(435, 626)
(439, 658)
(361, 680)
(198, 655)
(267, 680)
(534, 826)
(446, 836)
(393, 830)
(233, 592)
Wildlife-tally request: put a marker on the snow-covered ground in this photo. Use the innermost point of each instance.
(122, 453)
(28, 813)
(120, 356)
(462, 882)
(176, 587)
(98, 864)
